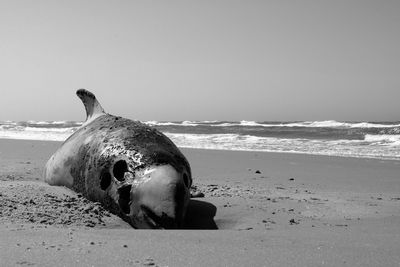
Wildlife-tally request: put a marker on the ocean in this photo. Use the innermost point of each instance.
(346, 139)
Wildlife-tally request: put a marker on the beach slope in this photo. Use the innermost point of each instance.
(258, 209)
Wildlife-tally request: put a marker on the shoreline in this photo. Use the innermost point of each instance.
(265, 205)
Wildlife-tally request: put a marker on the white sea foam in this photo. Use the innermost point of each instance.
(32, 133)
(385, 146)
(336, 124)
(157, 123)
(182, 123)
(206, 122)
(250, 123)
(189, 123)
(64, 122)
(352, 148)
(31, 122)
(244, 123)
(384, 139)
(310, 124)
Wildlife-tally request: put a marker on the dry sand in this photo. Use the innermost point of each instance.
(270, 209)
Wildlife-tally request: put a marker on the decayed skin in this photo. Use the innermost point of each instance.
(132, 169)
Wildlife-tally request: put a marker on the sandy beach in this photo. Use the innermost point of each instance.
(258, 209)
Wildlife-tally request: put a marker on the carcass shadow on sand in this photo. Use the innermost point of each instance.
(200, 216)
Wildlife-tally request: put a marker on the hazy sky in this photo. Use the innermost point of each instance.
(201, 60)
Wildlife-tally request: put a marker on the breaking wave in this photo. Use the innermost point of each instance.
(353, 139)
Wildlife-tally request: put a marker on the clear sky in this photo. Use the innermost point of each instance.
(201, 60)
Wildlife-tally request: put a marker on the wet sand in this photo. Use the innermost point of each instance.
(270, 209)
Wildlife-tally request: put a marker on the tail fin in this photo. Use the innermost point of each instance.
(92, 106)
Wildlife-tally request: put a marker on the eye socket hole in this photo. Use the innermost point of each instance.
(119, 169)
(186, 180)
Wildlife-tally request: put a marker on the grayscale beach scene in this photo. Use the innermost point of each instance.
(199, 133)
